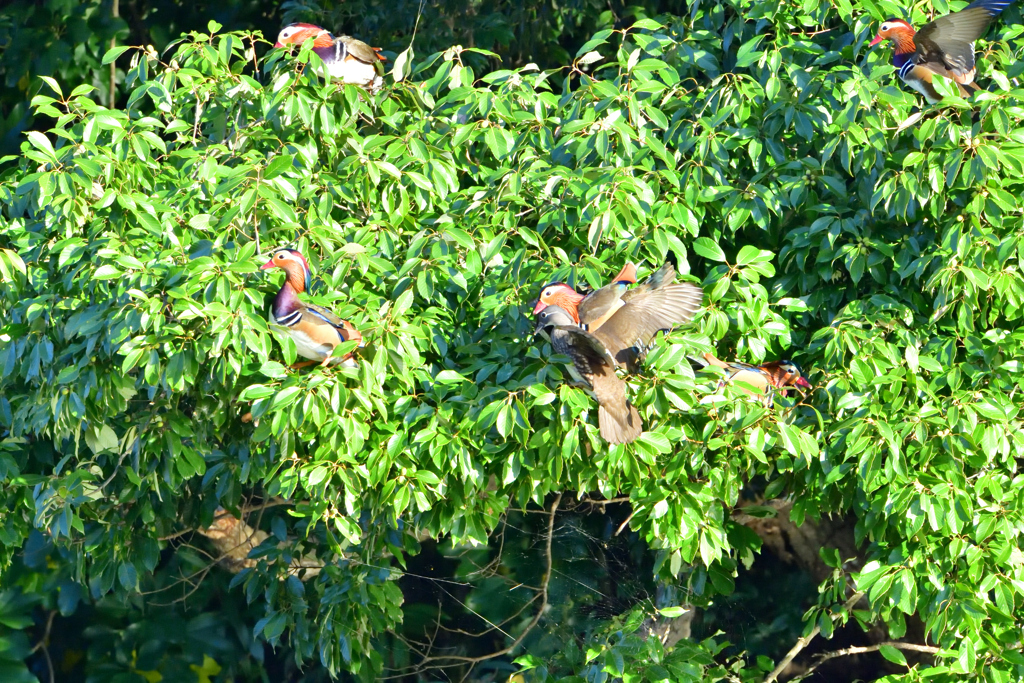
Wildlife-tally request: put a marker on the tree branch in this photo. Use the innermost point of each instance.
(805, 641)
(825, 656)
(542, 591)
(113, 64)
(608, 501)
(41, 645)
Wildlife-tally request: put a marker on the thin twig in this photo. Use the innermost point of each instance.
(825, 656)
(41, 645)
(415, 27)
(46, 633)
(543, 590)
(812, 33)
(624, 523)
(113, 79)
(805, 640)
(114, 473)
(497, 626)
(609, 501)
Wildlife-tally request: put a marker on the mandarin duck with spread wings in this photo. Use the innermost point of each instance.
(614, 329)
(944, 46)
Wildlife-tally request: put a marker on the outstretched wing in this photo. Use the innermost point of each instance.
(949, 40)
(618, 420)
(588, 354)
(629, 333)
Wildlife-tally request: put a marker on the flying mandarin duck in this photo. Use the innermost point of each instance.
(944, 46)
(629, 317)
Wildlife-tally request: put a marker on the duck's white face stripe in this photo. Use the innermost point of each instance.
(290, 319)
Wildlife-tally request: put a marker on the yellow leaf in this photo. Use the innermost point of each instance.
(209, 668)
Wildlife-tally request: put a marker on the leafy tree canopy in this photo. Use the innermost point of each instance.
(746, 143)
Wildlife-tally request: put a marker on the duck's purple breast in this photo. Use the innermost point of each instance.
(286, 306)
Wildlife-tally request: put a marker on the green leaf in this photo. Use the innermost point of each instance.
(278, 166)
(42, 143)
(498, 141)
(127, 576)
(101, 439)
(658, 442)
(403, 65)
(449, 377)
(709, 249)
(893, 655)
(114, 52)
(748, 53)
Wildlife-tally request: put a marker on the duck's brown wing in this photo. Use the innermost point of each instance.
(629, 333)
(360, 50)
(617, 419)
(595, 308)
(949, 40)
(318, 315)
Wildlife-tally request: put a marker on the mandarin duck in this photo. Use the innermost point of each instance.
(629, 319)
(346, 58)
(593, 309)
(944, 46)
(761, 379)
(620, 337)
(593, 363)
(315, 330)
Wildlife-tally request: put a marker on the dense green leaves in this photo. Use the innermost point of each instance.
(761, 158)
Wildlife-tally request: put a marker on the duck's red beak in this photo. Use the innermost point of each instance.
(801, 382)
(268, 265)
(280, 44)
(539, 307)
(876, 41)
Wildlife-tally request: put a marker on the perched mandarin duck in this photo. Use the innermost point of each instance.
(944, 46)
(594, 364)
(315, 330)
(629, 319)
(347, 59)
(761, 379)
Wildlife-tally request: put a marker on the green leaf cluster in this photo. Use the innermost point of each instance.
(760, 157)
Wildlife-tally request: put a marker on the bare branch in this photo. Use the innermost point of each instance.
(429, 662)
(115, 13)
(41, 645)
(493, 627)
(609, 501)
(805, 640)
(624, 523)
(825, 656)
